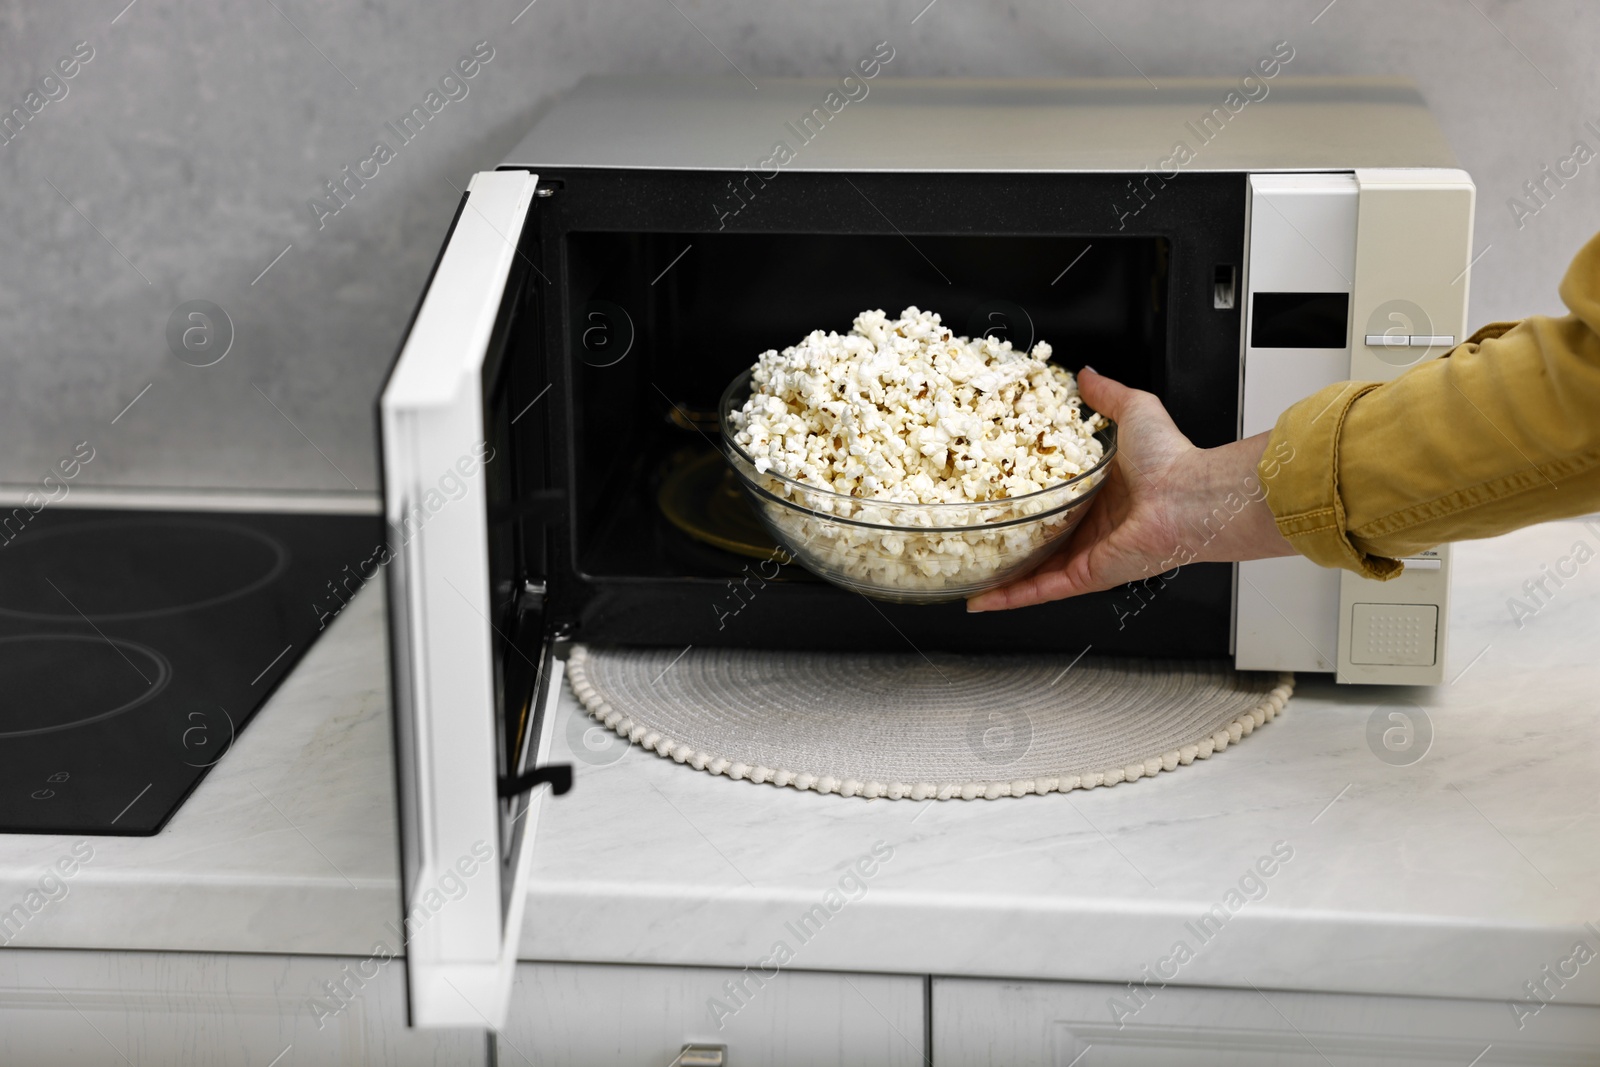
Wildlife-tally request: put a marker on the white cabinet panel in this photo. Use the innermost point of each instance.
(110, 1009)
(977, 1021)
(598, 1015)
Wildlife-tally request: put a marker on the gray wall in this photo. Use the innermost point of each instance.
(194, 137)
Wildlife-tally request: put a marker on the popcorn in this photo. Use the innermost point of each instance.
(904, 411)
(900, 413)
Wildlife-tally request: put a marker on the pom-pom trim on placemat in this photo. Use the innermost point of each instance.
(639, 733)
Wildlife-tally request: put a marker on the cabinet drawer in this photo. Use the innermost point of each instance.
(1000, 1023)
(112, 1009)
(596, 1015)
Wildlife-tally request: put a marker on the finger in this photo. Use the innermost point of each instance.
(1021, 593)
(1106, 395)
(1062, 577)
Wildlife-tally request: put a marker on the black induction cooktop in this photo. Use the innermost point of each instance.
(135, 645)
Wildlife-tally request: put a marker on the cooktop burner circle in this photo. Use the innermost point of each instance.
(60, 681)
(109, 571)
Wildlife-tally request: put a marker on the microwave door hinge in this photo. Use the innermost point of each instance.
(558, 636)
(532, 598)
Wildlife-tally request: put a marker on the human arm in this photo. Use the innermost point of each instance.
(1503, 432)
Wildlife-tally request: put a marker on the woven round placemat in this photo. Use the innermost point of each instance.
(906, 726)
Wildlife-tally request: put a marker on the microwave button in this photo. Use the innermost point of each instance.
(1406, 340)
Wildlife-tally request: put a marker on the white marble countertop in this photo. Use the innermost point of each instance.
(1461, 874)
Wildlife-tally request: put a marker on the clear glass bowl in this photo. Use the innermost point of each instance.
(911, 553)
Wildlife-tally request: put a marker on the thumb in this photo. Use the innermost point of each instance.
(1106, 395)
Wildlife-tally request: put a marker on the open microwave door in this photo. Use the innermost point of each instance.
(465, 659)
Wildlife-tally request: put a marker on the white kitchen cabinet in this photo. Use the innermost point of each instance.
(999, 1023)
(112, 1009)
(597, 1015)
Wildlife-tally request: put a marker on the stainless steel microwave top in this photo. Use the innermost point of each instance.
(1284, 123)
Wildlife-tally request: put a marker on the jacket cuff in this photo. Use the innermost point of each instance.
(1300, 471)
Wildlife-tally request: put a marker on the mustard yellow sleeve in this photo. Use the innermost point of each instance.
(1502, 433)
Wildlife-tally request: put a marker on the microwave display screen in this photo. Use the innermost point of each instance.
(1300, 320)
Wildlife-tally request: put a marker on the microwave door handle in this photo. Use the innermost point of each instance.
(527, 771)
(525, 799)
(559, 775)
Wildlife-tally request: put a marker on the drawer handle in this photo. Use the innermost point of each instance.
(702, 1056)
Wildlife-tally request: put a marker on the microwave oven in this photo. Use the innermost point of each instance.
(596, 293)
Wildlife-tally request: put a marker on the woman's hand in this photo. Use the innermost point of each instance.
(1165, 503)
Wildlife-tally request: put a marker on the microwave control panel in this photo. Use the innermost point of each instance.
(1357, 274)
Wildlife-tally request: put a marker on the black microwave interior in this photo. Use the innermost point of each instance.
(645, 293)
(731, 296)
